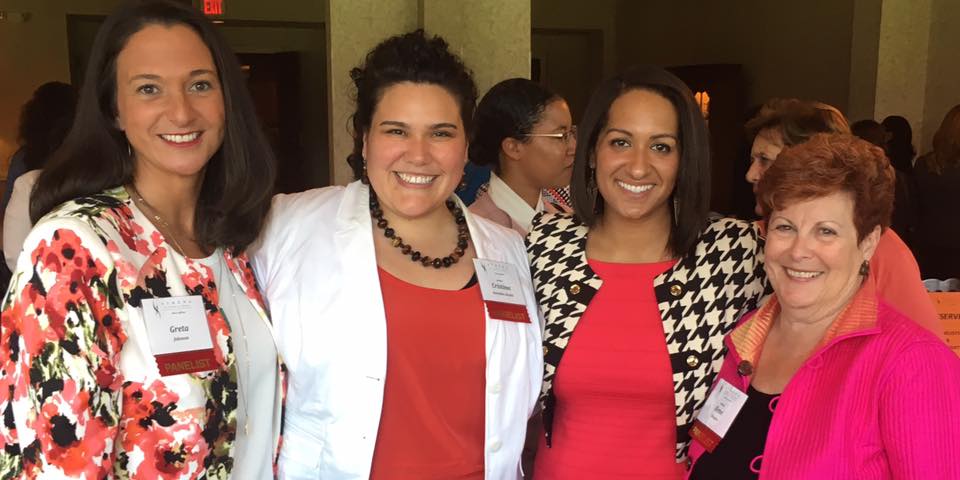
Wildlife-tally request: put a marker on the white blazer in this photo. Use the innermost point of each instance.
(316, 265)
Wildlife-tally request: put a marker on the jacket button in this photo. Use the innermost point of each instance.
(574, 289)
(495, 446)
(693, 360)
(745, 369)
(676, 290)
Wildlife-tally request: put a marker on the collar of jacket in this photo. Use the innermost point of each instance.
(858, 317)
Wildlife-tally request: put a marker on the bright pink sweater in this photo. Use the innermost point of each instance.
(879, 399)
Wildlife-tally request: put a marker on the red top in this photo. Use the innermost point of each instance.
(615, 415)
(432, 423)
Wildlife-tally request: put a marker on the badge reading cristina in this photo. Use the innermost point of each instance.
(501, 290)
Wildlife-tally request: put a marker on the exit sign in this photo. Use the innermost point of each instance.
(213, 7)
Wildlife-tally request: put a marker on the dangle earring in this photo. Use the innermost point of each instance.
(593, 191)
(364, 179)
(463, 182)
(865, 268)
(676, 210)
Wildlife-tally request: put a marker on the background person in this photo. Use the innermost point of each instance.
(44, 122)
(938, 194)
(838, 383)
(525, 134)
(903, 220)
(161, 183)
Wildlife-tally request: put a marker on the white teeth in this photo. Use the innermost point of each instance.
(416, 179)
(799, 274)
(634, 188)
(189, 137)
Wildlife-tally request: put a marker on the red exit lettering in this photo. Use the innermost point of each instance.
(213, 7)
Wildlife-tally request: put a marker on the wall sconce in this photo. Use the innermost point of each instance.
(14, 17)
(703, 100)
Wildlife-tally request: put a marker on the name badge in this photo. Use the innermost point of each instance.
(501, 290)
(717, 414)
(179, 335)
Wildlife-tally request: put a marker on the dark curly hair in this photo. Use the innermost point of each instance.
(509, 109)
(411, 57)
(238, 179)
(45, 120)
(828, 163)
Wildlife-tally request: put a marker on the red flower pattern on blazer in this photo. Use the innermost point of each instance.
(80, 393)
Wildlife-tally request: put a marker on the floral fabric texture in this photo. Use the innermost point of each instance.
(80, 392)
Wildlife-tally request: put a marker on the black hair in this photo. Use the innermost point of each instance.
(509, 109)
(869, 130)
(411, 57)
(238, 179)
(691, 194)
(900, 146)
(45, 120)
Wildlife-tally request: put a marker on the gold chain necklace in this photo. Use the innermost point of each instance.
(154, 213)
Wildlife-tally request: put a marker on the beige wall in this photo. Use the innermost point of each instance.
(943, 77)
(491, 36)
(902, 61)
(864, 51)
(356, 26)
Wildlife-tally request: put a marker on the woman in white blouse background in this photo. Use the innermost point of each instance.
(525, 133)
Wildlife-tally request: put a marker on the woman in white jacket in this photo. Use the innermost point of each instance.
(406, 359)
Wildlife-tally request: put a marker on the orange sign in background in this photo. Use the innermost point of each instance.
(948, 306)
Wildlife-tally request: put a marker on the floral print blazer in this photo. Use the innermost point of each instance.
(80, 392)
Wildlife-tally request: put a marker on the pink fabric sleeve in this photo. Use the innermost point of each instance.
(919, 413)
(896, 277)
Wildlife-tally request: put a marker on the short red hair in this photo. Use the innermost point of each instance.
(827, 164)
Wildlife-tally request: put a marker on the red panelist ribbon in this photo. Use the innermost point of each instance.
(186, 362)
(705, 436)
(507, 311)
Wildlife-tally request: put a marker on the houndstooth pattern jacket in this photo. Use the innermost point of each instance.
(700, 300)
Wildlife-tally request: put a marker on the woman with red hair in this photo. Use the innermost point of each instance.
(827, 380)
